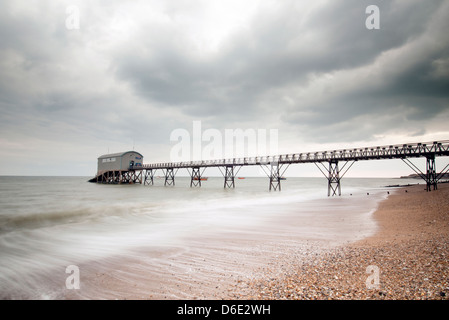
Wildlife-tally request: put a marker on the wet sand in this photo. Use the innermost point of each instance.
(409, 248)
(220, 265)
(408, 258)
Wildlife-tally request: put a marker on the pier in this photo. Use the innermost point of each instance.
(332, 164)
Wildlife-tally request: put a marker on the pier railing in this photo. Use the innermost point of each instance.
(372, 153)
(276, 165)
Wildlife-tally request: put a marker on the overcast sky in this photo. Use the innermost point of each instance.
(132, 72)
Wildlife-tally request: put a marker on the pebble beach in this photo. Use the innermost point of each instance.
(398, 249)
(406, 259)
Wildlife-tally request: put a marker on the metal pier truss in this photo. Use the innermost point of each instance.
(169, 175)
(149, 176)
(119, 177)
(195, 176)
(333, 176)
(229, 175)
(275, 166)
(275, 174)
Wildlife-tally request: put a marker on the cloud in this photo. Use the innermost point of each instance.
(282, 48)
(397, 91)
(135, 71)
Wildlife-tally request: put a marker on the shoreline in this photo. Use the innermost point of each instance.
(409, 247)
(313, 249)
(215, 266)
(409, 253)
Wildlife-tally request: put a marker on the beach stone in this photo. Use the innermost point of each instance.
(411, 250)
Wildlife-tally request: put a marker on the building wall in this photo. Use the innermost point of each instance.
(118, 161)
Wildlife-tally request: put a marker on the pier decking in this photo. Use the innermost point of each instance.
(328, 162)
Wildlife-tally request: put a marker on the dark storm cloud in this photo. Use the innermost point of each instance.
(407, 93)
(282, 48)
(138, 70)
(52, 87)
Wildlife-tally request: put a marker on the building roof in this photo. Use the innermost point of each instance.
(118, 154)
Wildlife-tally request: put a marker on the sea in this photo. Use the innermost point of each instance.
(53, 227)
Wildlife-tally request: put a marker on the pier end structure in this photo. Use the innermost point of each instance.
(118, 168)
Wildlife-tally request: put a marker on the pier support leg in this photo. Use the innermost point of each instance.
(274, 174)
(333, 179)
(275, 177)
(137, 176)
(149, 177)
(430, 177)
(229, 177)
(124, 177)
(334, 176)
(195, 180)
(120, 177)
(169, 177)
(431, 173)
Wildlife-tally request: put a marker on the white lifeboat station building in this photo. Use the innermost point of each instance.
(118, 168)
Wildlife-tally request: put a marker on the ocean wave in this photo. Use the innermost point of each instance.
(51, 218)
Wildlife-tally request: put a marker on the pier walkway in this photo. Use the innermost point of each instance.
(333, 164)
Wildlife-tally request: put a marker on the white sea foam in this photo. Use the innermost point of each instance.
(49, 223)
